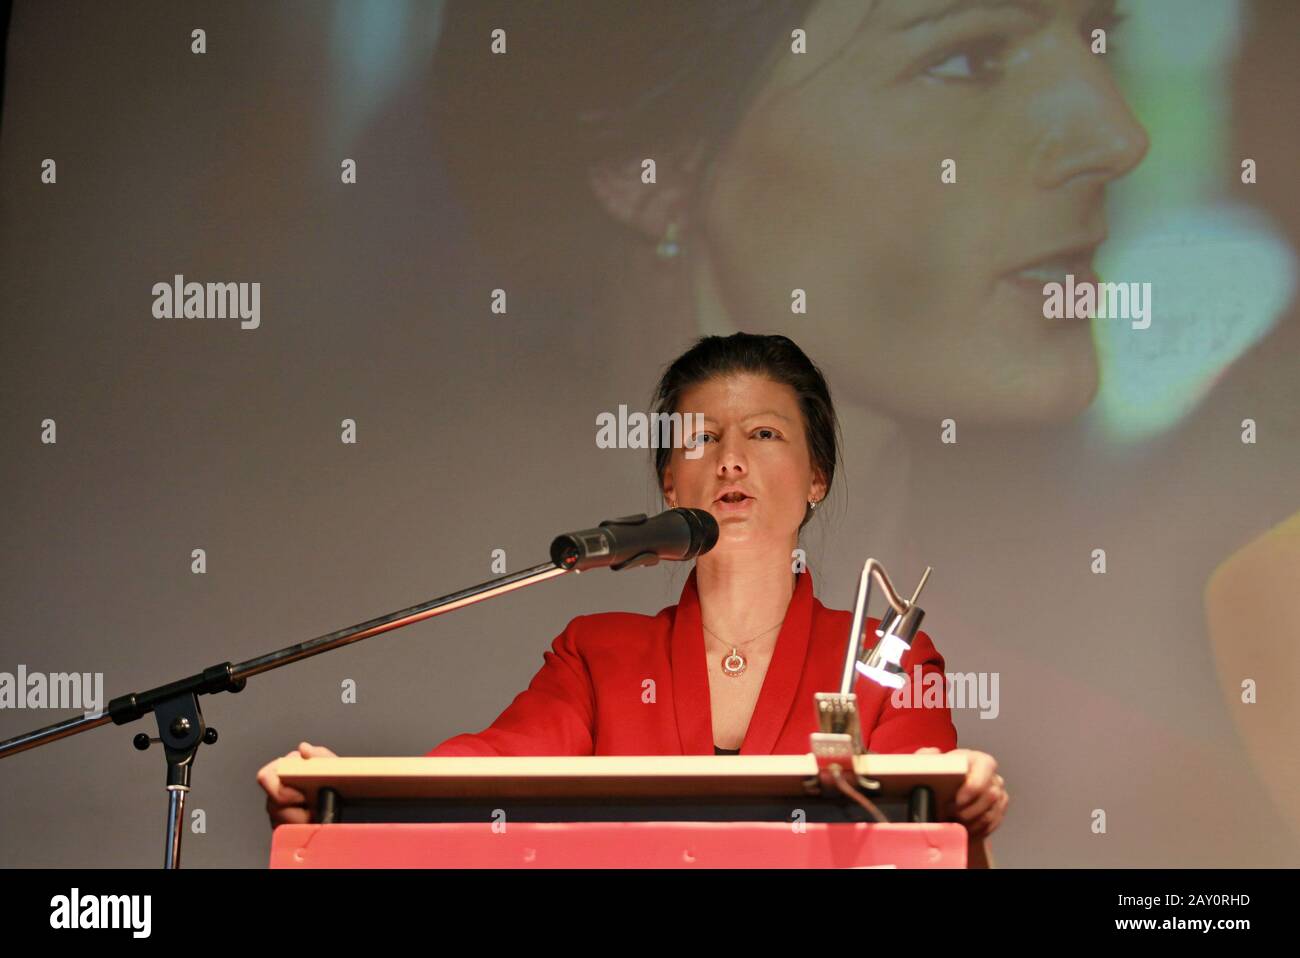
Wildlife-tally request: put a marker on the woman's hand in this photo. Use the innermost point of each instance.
(285, 805)
(982, 800)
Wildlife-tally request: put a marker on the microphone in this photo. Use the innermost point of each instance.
(677, 534)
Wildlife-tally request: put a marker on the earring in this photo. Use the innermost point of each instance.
(812, 504)
(669, 246)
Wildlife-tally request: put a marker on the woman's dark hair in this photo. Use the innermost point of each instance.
(777, 358)
(586, 82)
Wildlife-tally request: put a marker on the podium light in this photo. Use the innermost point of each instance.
(883, 663)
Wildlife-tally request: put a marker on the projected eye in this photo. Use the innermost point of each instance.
(975, 61)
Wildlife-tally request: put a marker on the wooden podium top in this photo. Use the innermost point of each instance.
(600, 776)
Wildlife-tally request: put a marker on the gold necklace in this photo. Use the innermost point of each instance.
(734, 664)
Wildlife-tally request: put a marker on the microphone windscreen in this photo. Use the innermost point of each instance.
(704, 530)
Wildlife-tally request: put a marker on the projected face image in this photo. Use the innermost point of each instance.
(921, 182)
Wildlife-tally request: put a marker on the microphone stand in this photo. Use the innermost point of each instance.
(181, 728)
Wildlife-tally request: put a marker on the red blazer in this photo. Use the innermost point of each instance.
(592, 696)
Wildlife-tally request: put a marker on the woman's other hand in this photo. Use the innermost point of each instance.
(285, 805)
(982, 800)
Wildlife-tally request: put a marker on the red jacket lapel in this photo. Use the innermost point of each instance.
(690, 680)
(691, 702)
(783, 674)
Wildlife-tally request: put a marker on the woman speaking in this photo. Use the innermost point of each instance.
(733, 667)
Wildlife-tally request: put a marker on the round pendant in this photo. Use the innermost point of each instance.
(733, 664)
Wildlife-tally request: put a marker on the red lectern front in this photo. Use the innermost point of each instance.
(761, 811)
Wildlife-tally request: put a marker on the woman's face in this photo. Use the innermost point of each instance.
(917, 295)
(753, 441)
